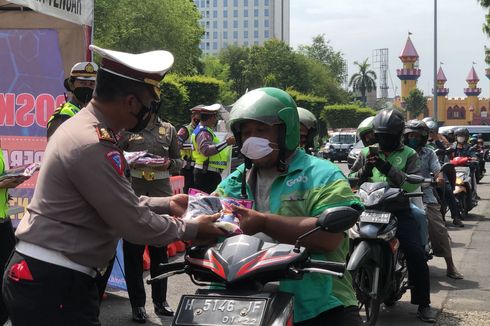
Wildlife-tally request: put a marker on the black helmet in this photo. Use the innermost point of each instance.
(419, 127)
(388, 127)
(389, 121)
(462, 131)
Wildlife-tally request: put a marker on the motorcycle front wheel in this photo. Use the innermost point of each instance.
(367, 283)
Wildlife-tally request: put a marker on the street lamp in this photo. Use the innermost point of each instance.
(434, 91)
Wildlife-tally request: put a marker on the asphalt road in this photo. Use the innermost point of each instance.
(461, 302)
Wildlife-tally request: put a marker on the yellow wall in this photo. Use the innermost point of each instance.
(407, 86)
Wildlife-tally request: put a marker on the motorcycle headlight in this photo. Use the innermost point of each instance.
(374, 197)
(363, 195)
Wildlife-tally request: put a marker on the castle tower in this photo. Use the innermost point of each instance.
(472, 92)
(410, 73)
(442, 92)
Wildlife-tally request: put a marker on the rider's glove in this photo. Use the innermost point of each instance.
(383, 166)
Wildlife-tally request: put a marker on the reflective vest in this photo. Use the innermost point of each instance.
(186, 151)
(216, 161)
(67, 108)
(3, 191)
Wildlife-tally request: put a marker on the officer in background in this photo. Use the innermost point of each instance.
(7, 237)
(158, 138)
(83, 202)
(81, 85)
(186, 148)
(210, 153)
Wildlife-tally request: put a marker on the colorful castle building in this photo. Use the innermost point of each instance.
(450, 111)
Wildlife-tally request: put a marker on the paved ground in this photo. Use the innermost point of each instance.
(464, 302)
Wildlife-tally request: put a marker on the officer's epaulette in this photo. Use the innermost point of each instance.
(105, 134)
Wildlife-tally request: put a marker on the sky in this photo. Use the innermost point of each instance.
(357, 27)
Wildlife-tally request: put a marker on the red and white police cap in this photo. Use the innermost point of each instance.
(148, 68)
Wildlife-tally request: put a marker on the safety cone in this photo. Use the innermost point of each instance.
(171, 250)
(146, 259)
(180, 246)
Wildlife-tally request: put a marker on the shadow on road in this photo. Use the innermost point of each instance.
(449, 318)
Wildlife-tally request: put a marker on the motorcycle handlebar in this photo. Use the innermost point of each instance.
(327, 265)
(414, 194)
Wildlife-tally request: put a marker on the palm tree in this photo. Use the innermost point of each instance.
(364, 80)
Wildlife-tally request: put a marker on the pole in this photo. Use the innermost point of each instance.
(435, 61)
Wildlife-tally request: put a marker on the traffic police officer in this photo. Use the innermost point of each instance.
(210, 153)
(81, 85)
(7, 238)
(83, 202)
(186, 148)
(158, 138)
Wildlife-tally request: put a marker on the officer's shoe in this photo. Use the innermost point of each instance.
(427, 314)
(163, 309)
(139, 315)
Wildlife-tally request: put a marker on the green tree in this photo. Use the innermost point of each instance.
(323, 52)
(237, 59)
(345, 115)
(415, 103)
(213, 67)
(139, 26)
(364, 80)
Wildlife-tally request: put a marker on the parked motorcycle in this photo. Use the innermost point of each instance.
(464, 187)
(240, 270)
(378, 267)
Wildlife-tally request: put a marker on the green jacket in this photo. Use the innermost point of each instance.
(309, 187)
(3, 191)
(403, 161)
(67, 109)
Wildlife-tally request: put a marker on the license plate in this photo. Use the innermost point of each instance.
(220, 311)
(375, 217)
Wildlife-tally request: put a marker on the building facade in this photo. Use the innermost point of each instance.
(470, 110)
(242, 22)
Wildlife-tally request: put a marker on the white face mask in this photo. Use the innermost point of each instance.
(256, 148)
(460, 139)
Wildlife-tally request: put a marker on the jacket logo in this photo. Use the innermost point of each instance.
(299, 179)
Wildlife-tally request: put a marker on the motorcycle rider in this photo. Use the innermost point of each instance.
(285, 182)
(461, 148)
(391, 164)
(308, 130)
(365, 132)
(415, 136)
(435, 140)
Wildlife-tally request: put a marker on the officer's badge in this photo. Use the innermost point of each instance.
(117, 161)
(105, 134)
(89, 68)
(162, 131)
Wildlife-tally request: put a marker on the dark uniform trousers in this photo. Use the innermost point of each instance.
(188, 174)
(7, 244)
(411, 245)
(133, 253)
(206, 181)
(56, 296)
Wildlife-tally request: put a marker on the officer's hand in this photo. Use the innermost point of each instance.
(207, 231)
(230, 140)
(251, 221)
(178, 204)
(12, 182)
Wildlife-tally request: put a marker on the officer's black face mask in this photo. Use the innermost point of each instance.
(387, 142)
(83, 94)
(144, 115)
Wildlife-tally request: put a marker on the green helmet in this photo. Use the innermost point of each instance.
(271, 106)
(364, 127)
(307, 119)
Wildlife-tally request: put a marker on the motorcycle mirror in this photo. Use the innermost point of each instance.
(414, 179)
(338, 219)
